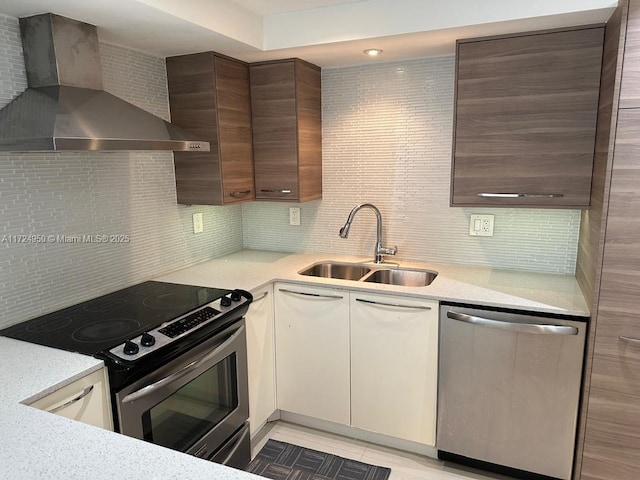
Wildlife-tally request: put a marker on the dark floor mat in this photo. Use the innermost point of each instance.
(283, 461)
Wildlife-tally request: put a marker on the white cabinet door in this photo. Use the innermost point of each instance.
(312, 351)
(394, 365)
(86, 400)
(260, 358)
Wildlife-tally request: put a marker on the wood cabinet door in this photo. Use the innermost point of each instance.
(209, 97)
(275, 130)
(287, 130)
(630, 86)
(234, 129)
(394, 366)
(309, 112)
(191, 86)
(525, 119)
(312, 351)
(612, 432)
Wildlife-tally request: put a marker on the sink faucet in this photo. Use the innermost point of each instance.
(380, 250)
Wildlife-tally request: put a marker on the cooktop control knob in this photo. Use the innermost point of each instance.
(235, 296)
(147, 340)
(225, 301)
(130, 348)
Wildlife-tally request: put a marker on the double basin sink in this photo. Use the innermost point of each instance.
(379, 273)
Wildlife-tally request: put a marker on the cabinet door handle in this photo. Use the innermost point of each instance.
(519, 195)
(80, 396)
(317, 295)
(240, 194)
(635, 341)
(514, 326)
(397, 305)
(286, 191)
(261, 297)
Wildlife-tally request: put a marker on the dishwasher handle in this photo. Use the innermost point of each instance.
(535, 328)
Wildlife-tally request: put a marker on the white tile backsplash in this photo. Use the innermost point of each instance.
(387, 141)
(129, 194)
(138, 78)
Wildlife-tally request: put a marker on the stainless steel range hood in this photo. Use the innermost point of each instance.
(65, 108)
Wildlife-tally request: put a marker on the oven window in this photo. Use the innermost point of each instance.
(189, 413)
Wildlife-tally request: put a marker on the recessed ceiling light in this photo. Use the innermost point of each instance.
(373, 52)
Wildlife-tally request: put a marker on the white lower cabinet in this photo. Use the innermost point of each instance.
(365, 360)
(260, 358)
(86, 400)
(312, 351)
(394, 366)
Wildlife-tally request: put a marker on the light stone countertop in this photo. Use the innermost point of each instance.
(538, 292)
(39, 445)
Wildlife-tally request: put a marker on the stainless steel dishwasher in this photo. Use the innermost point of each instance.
(508, 389)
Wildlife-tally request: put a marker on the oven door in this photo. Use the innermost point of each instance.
(195, 403)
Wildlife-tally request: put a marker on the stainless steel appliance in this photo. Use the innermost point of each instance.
(508, 389)
(196, 402)
(177, 362)
(65, 106)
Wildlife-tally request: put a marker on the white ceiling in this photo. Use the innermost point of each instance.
(270, 7)
(330, 33)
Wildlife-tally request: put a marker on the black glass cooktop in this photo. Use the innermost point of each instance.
(104, 322)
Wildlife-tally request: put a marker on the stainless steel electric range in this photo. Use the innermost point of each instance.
(177, 362)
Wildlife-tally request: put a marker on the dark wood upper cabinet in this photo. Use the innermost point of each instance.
(287, 130)
(525, 119)
(209, 96)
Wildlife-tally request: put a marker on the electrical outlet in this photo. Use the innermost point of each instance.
(294, 215)
(198, 223)
(481, 225)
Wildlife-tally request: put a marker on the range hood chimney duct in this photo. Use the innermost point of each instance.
(65, 107)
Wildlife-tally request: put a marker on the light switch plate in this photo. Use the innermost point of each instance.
(481, 225)
(198, 223)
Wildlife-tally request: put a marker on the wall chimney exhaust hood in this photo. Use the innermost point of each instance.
(65, 107)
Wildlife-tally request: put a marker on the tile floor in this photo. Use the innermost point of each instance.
(404, 466)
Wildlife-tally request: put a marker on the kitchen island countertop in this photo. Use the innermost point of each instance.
(38, 445)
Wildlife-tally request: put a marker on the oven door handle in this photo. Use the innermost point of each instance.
(143, 392)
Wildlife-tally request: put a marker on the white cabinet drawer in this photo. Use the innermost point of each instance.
(86, 400)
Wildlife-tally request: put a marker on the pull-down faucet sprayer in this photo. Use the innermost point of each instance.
(380, 250)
